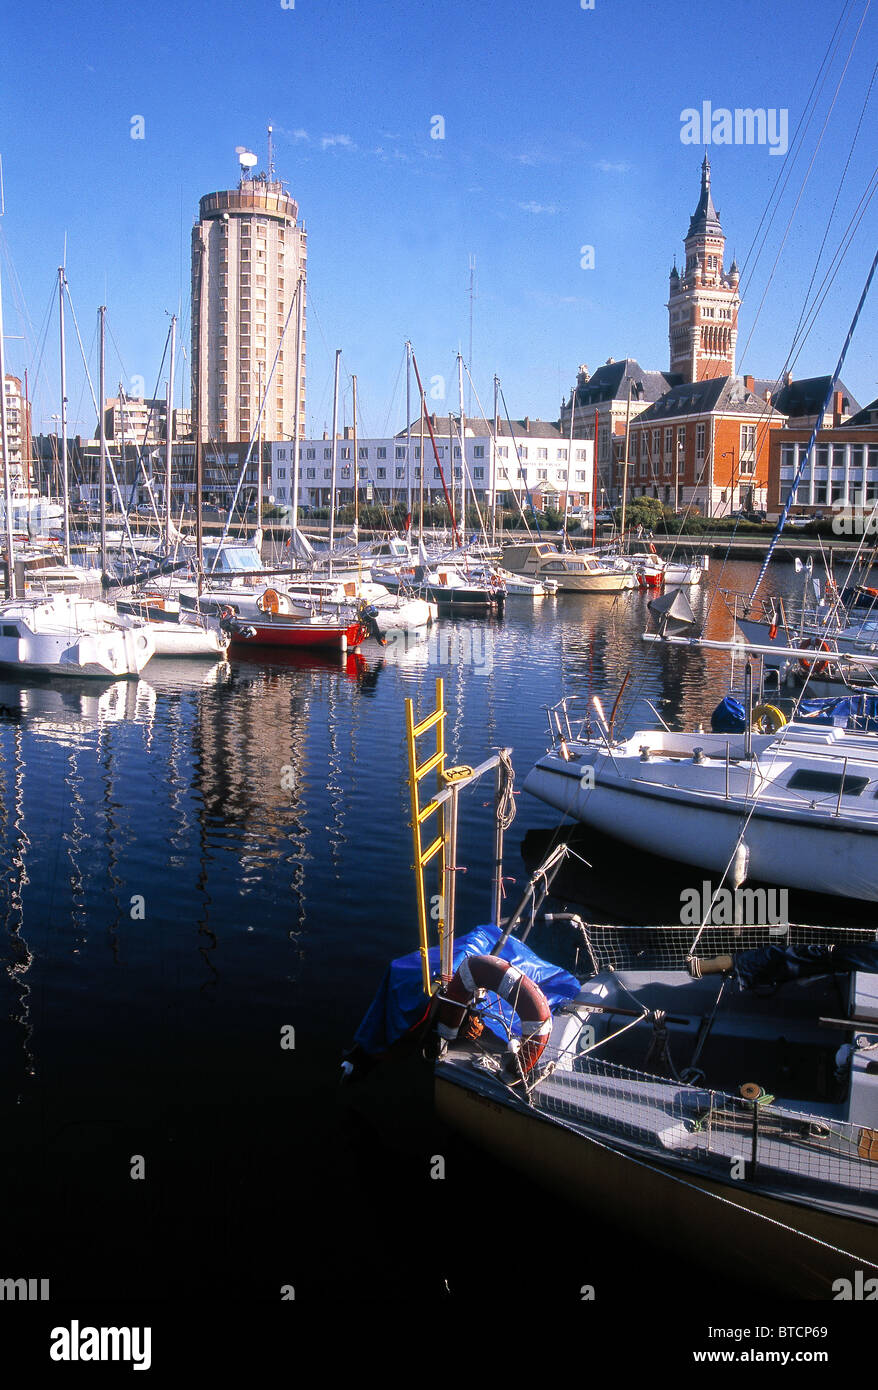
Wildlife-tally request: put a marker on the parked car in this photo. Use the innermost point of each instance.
(605, 517)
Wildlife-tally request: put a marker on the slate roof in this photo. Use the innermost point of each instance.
(610, 383)
(705, 218)
(723, 394)
(525, 429)
(806, 397)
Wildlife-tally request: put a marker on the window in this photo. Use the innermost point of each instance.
(327, 453)
(699, 442)
(310, 472)
(479, 451)
(327, 473)
(280, 473)
(748, 449)
(400, 472)
(362, 453)
(381, 453)
(580, 454)
(309, 454)
(502, 451)
(346, 453)
(346, 471)
(478, 472)
(381, 472)
(561, 454)
(542, 453)
(282, 453)
(400, 453)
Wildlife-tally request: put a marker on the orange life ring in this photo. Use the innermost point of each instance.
(500, 977)
(269, 602)
(819, 667)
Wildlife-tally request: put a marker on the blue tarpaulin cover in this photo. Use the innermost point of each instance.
(728, 717)
(400, 1002)
(861, 711)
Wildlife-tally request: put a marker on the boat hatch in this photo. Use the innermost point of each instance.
(807, 779)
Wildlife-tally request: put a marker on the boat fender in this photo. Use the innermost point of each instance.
(499, 977)
(767, 719)
(772, 632)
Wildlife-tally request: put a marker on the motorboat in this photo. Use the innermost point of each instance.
(579, 572)
(65, 635)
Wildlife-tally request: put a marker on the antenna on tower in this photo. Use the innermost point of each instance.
(472, 295)
(270, 157)
(246, 159)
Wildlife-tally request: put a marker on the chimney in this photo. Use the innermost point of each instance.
(748, 383)
(837, 407)
(787, 378)
(527, 424)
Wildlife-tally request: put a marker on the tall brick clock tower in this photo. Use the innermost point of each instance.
(704, 300)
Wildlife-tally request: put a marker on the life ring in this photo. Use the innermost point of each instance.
(770, 716)
(806, 664)
(269, 602)
(495, 581)
(498, 976)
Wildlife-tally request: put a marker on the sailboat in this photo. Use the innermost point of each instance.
(677, 1080)
(62, 635)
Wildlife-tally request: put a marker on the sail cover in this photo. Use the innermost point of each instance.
(673, 615)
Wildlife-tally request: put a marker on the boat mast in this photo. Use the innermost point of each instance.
(356, 468)
(199, 455)
(462, 446)
(625, 464)
(496, 455)
(334, 458)
(297, 412)
(569, 465)
(421, 479)
(102, 472)
(169, 435)
(62, 282)
(259, 453)
(7, 485)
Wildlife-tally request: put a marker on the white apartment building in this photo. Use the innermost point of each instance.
(17, 432)
(248, 252)
(534, 458)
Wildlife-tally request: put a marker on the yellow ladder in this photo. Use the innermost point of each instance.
(420, 814)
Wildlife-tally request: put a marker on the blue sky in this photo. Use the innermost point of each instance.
(562, 130)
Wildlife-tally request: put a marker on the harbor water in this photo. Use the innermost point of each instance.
(204, 874)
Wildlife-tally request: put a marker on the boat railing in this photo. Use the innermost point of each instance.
(754, 1140)
(572, 719)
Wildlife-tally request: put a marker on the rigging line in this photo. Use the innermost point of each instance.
(838, 192)
(841, 253)
(804, 182)
(817, 424)
(785, 172)
(494, 438)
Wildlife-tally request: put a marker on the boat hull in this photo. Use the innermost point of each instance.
(783, 848)
(286, 634)
(795, 1251)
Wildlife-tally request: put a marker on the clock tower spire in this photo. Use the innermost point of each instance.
(703, 302)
